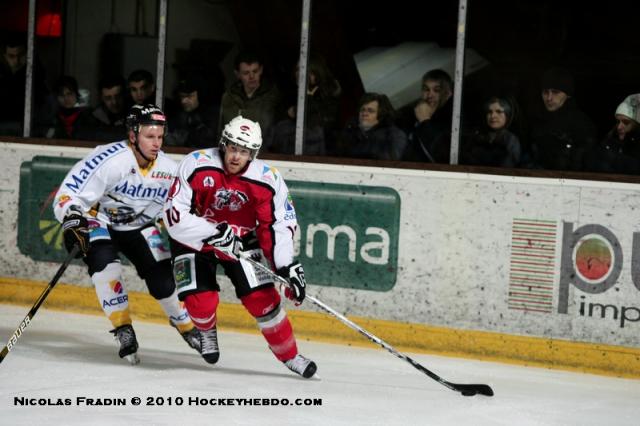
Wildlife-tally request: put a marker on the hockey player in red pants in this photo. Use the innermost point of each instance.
(224, 201)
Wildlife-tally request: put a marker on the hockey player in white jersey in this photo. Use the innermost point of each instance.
(109, 203)
(224, 200)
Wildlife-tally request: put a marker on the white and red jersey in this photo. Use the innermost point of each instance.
(203, 195)
(110, 183)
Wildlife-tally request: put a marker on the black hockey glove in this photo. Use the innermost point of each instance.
(297, 284)
(225, 243)
(75, 230)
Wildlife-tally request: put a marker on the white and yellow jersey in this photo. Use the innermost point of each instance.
(110, 185)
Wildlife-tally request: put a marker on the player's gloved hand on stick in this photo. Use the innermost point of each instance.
(297, 284)
(225, 242)
(75, 230)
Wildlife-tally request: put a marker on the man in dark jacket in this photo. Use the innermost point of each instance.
(251, 96)
(562, 133)
(195, 124)
(13, 74)
(109, 115)
(427, 121)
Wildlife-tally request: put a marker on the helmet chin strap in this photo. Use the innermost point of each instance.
(137, 148)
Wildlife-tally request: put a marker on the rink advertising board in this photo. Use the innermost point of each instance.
(347, 235)
(520, 256)
(589, 264)
(39, 233)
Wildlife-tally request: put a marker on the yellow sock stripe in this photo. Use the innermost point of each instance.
(183, 328)
(521, 350)
(119, 318)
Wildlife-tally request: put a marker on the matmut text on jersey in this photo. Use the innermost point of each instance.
(109, 183)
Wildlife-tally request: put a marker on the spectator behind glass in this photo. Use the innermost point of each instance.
(494, 145)
(373, 135)
(109, 115)
(12, 86)
(321, 115)
(253, 96)
(619, 151)
(142, 87)
(427, 121)
(195, 124)
(561, 133)
(72, 121)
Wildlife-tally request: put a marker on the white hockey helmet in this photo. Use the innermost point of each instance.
(242, 132)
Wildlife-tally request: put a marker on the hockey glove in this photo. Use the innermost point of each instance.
(297, 284)
(75, 230)
(225, 243)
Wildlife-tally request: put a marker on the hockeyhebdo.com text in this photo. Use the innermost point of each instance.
(167, 401)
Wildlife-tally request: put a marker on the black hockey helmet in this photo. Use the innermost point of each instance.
(148, 114)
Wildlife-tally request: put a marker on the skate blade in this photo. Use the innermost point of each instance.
(133, 359)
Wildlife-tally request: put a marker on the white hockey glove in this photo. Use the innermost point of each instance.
(226, 244)
(297, 284)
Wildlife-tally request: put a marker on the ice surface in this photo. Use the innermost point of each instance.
(64, 355)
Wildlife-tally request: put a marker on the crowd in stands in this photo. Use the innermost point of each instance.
(557, 137)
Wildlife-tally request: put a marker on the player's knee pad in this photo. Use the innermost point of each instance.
(101, 253)
(261, 302)
(160, 281)
(108, 273)
(202, 308)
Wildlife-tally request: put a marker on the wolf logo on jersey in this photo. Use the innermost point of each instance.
(232, 199)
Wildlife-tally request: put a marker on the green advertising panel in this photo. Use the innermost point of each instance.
(348, 233)
(39, 233)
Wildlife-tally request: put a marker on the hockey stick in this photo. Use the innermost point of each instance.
(27, 320)
(464, 389)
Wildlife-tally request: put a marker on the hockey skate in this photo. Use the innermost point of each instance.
(192, 337)
(301, 365)
(209, 344)
(128, 343)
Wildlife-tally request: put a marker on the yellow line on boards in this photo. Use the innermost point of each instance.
(520, 350)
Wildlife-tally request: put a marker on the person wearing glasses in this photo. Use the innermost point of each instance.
(373, 135)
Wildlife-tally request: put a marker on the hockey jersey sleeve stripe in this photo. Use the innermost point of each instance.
(259, 183)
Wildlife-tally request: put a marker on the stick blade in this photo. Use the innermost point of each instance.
(471, 390)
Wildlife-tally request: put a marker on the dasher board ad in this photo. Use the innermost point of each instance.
(527, 256)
